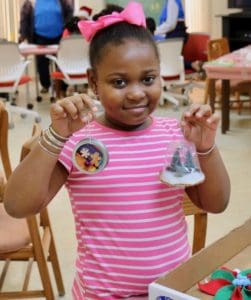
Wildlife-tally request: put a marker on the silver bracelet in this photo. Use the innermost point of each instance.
(47, 150)
(47, 141)
(57, 136)
(49, 136)
(207, 152)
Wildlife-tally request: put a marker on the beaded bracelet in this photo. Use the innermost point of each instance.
(207, 152)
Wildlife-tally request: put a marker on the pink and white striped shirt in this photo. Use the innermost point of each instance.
(130, 227)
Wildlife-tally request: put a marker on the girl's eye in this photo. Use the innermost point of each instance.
(119, 83)
(148, 80)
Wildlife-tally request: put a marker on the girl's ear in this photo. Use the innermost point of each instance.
(92, 80)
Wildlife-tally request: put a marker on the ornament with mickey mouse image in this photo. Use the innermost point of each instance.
(182, 166)
(90, 156)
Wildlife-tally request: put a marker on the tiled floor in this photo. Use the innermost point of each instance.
(235, 147)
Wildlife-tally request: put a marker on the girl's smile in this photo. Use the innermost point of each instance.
(127, 81)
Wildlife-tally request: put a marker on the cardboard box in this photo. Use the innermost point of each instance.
(232, 251)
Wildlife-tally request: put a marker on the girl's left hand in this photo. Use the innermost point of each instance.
(199, 126)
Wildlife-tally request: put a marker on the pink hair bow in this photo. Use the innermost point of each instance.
(133, 14)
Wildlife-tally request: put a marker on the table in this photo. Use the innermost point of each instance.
(234, 65)
(231, 251)
(32, 49)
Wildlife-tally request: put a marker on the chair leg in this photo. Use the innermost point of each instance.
(211, 93)
(56, 267)
(171, 99)
(41, 259)
(206, 95)
(239, 103)
(201, 222)
(58, 88)
(53, 257)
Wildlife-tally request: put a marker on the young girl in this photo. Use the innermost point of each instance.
(129, 225)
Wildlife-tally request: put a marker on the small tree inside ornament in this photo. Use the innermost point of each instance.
(182, 166)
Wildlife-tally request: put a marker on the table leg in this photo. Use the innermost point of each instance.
(29, 105)
(225, 94)
(211, 92)
(38, 97)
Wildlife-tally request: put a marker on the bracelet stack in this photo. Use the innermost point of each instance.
(51, 142)
(207, 152)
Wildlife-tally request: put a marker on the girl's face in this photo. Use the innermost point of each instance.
(127, 81)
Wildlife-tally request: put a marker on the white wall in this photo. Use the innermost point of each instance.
(219, 7)
(96, 5)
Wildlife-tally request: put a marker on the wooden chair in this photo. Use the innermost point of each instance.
(4, 153)
(200, 223)
(217, 48)
(27, 240)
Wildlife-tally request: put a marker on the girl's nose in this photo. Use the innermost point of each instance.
(135, 92)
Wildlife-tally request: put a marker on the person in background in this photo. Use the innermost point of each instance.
(71, 27)
(172, 20)
(194, 65)
(110, 7)
(172, 25)
(84, 13)
(42, 23)
(122, 212)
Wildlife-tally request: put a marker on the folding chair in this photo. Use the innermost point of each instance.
(71, 61)
(12, 75)
(171, 70)
(26, 240)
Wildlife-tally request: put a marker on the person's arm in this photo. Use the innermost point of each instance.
(171, 21)
(213, 194)
(25, 21)
(67, 10)
(199, 126)
(37, 179)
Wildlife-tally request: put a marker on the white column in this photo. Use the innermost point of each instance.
(198, 15)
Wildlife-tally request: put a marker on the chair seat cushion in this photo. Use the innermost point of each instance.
(24, 79)
(175, 77)
(14, 232)
(60, 75)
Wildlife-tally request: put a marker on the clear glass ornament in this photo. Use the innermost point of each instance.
(182, 166)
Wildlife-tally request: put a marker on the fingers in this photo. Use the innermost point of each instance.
(78, 106)
(201, 114)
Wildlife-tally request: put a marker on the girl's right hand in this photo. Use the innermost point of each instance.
(72, 113)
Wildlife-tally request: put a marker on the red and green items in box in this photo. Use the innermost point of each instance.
(225, 284)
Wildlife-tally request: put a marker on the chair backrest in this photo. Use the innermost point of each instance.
(73, 55)
(4, 152)
(195, 47)
(11, 64)
(34, 243)
(200, 223)
(217, 48)
(171, 60)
